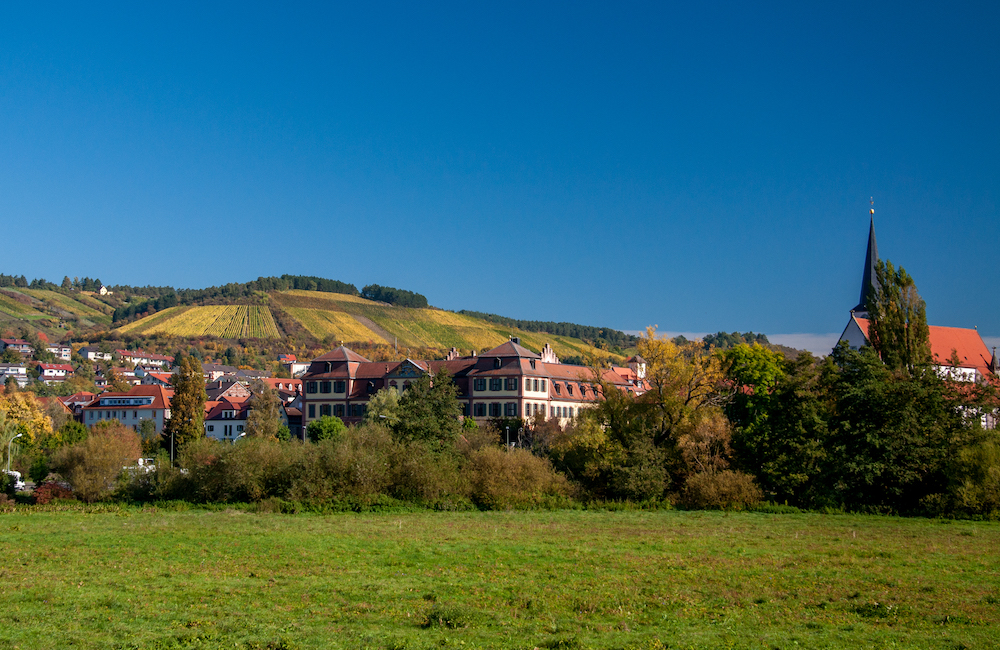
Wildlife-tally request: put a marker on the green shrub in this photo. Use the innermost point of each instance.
(725, 489)
(93, 466)
(512, 479)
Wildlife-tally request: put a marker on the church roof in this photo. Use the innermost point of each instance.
(869, 281)
(965, 343)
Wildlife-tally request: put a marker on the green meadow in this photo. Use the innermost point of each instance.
(152, 578)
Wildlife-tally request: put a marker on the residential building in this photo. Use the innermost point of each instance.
(509, 381)
(54, 372)
(93, 353)
(60, 351)
(18, 371)
(131, 408)
(139, 357)
(18, 345)
(226, 419)
(214, 371)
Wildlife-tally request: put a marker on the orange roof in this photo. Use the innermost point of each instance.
(967, 344)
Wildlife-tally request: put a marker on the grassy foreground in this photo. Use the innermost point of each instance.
(569, 579)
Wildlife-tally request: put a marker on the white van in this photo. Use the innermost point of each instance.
(18, 483)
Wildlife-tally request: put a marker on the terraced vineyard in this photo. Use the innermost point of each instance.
(324, 314)
(224, 321)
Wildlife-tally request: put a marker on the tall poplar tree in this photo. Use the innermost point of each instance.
(897, 326)
(187, 408)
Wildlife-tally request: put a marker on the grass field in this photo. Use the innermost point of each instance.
(568, 579)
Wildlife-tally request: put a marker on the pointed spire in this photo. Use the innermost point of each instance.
(869, 281)
(994, 364)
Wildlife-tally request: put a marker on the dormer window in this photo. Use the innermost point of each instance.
(558, 388)
(496, 362)
(569, 388)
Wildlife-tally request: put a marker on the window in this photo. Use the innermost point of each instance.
(543, 410)
(135, 415)
(543, 384)
(324, 409)
(211, 427)
(479, 384)
(532, 362)
(496, 362)
(340, 386)
(466, 410)
(569, 388)
(338, 410)
(91, 415)
(511, 383)
(310, 387)
(494, 409)
(324, 387)
(239, 428)
(536, 385)
(479, 410)
(371, 387)
(510, 409)
(312, 411)
(527, 385)
(558, 389)
(496, 383)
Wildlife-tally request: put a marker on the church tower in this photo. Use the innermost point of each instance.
(869, 281)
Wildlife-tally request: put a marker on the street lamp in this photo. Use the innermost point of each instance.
(8, 448)
(238, 437)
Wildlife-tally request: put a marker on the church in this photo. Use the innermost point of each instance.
(957, 352)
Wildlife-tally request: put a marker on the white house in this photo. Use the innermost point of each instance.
(16, 370)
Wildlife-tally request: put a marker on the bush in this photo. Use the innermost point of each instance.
(51, 490)
(510, 479)
(725, 489)
(93, 466)
(250, 470)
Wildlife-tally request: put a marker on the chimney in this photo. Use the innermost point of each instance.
(516, 340)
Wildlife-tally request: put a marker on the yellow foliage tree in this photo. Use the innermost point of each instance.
(685, 382)
(27, 415)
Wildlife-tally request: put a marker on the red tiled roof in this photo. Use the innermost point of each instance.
(342, 353)
(967, 344)
(161, 396)
(510, 349)
(56, 366)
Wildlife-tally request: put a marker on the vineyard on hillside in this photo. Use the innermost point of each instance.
(223, 321)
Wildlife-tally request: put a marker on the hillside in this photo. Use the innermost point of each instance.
(53, 312)
(337, 317)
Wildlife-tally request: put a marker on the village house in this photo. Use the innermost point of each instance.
(131, 408)
(93, 353)
(226, 419)
(54, 372)
(18, 345)
(508, 381)
(17, 371)
(60, 351)
(138, 357)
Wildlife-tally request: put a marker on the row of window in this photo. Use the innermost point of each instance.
(494, 410)
(227, 429)
(507, 383)
(339, 386)
(112, 415)
(338, 410)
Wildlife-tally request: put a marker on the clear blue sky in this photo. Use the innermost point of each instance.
(692, 165)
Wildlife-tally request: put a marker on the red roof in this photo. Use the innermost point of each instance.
(510, 349)
(341, 354)
(161, 396)
(56, 366)
(967, 344)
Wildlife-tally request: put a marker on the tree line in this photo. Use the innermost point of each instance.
(610, 337)
(397, 297)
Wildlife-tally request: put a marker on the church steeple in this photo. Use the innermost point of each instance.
(869, 281)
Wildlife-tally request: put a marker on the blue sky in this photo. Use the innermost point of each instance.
(701, 168)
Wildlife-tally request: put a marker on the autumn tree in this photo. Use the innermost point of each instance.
(684, 380)
(897, 326)
(187, 408)
(429, 410)
(264, 418)
(93, 465)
